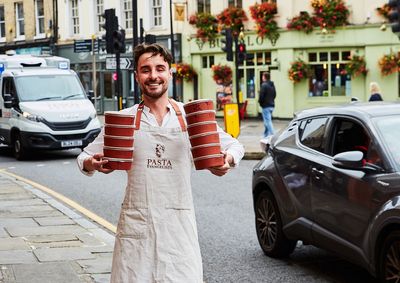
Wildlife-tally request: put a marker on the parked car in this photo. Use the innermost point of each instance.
(332, 179)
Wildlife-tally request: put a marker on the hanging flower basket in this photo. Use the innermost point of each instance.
(330, 14)
(264, 14)
(384, 10)
(299, 70)
(232, 18)
(206, 24)
(355, 67)
(222, 73)
(389, 64)
(185, 72)
(304, 22)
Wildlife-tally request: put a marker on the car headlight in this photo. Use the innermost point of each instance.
(32, 117)
(93, 115)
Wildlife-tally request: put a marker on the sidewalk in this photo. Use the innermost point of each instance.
(44, 241)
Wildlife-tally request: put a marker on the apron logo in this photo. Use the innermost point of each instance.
(160, 150)
(159, 163)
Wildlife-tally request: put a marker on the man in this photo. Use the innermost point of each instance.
(267, 103)
(156, 238)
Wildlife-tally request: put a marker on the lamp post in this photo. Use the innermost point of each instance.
(172, 50)
(134, 43)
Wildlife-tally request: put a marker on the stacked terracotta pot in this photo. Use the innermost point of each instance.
(118, 140)
(202, 130)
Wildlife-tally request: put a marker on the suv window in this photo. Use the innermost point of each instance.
(312, 132)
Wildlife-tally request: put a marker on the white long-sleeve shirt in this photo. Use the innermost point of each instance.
(170, 120)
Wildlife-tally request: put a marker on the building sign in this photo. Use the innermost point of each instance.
(179, 13)
(86, 45)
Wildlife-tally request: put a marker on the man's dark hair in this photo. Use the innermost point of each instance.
(266, 75)
(153, 48)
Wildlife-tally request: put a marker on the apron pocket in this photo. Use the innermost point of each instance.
(133, 223)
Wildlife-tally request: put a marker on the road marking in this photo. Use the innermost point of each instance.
(101, 221)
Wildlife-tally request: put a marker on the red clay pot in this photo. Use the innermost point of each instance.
(209, 161)
(118, 141)
(200, 116)
(202, 127)
(118, 152)
(204, 138)
(198, 105)
(118, 163)
(118, 118)
(206, 149)
(119, 130)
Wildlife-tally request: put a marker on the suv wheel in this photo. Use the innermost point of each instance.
(269, 227)
(389, 259)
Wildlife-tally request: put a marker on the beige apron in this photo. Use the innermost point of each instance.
(156, 237)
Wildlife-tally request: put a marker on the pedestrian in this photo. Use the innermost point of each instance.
(267, 102)
(156, 239)
(375, 92)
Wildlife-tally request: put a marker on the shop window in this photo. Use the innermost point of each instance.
(207, 61)
(211, 61)
(259, 58)
(250, 76)
(312, 57)
(323, 56)
(204, 6)
(335, 56)
(346, 55)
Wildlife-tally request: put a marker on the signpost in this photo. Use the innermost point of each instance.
(111, 63)
(85, 45)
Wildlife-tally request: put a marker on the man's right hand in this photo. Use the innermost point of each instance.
(96, 162)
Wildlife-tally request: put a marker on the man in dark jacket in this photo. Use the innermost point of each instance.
(267, 102)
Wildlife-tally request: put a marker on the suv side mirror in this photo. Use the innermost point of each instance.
(8, 100)
(354, 160)
(91, 95)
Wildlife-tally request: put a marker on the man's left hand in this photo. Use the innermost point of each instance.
(222, 170)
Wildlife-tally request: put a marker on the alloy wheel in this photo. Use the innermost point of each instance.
(392, 263)
(267, 223)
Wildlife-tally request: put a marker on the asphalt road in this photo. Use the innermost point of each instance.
(224, 216)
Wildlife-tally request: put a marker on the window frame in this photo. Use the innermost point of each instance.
(157, 18)
(99, 15)
(74, 12)
(38, 20)
(204, 6)
(128, 14)
(19, 21)
(300, 131)
(2, 25)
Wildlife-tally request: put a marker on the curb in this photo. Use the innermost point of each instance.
(253, 155)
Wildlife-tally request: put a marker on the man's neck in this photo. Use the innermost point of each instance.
(158, 107)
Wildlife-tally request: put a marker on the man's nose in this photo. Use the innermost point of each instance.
(153, 74)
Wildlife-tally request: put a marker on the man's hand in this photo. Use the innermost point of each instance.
(222, 170)
(96, 162)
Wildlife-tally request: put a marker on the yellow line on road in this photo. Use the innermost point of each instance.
(66, 200)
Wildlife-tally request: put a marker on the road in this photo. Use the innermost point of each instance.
(224, 216)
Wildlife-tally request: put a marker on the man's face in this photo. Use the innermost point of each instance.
(153, 75)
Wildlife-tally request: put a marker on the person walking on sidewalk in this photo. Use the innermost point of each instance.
(375, 92)
(267, 103)
(156, 239)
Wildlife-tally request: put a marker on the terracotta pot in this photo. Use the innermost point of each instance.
(118, 152)
(209, 161)
(206, 149)
(119, 130)
(204, 138)
(200, 116)
(198, 105)
(118, 118)
(118, 141)
(202, 127)
(118, 163)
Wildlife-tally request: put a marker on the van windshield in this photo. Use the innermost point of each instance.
(48, 87)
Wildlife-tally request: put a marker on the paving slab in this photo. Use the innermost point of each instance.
(65, 244)
(53, 221)
(62, 254)
(45, 273)
(8, 244)
(46, 230)
(19, 222)
(51, 238)
(17, 257)
(18, 203)
(98, 265)
(45, 213)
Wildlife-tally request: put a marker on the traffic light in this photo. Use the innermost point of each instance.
(110, 25)
(241, 53)
(227, 43)
(394, 18)
(118, 41)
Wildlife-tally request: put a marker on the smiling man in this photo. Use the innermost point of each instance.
(156, 238)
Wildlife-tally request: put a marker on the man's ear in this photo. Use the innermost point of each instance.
(135, 76)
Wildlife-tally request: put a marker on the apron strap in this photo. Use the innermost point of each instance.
(178, 114)
(174, 106)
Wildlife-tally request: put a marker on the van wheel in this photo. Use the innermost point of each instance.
(389, 259)
(19, 150)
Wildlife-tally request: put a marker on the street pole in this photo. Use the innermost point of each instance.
(172, 51)
(119, 80)
(135, 43)
(94, 71)
(236, 69)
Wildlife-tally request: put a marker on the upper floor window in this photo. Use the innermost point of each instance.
(270, 1)
(2, 23)
(74, 17)
(204, 6)
(99, 12)
(157, 12)
(19, 20)
(235, 3)
(127, 10)
(39, 12)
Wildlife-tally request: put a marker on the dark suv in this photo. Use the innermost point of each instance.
(332, 179)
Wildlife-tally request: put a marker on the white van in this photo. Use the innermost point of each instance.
(43, 105)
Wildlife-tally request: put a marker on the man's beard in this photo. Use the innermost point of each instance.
(154, 94)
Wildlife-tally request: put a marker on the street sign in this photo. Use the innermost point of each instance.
(85, 45)
(111, 63)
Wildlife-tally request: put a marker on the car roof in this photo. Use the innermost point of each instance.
(360, 109)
